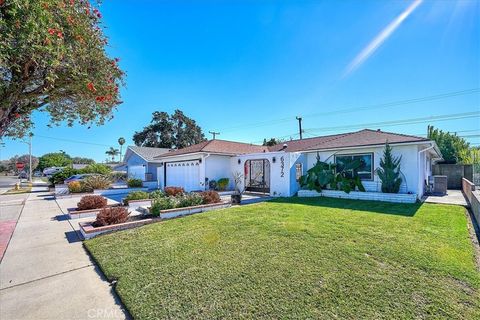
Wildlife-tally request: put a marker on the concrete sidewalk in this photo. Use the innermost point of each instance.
(47, 274)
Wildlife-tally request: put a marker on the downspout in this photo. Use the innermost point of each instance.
(418, 161)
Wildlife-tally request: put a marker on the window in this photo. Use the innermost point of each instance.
(365, 172)
(298, 171)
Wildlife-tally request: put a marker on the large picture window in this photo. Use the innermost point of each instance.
(365, 172)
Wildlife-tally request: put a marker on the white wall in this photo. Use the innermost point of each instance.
(217, 167)
(408, 164)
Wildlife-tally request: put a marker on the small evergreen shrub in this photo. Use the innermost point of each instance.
(136, 195)
(91, 202)
(162, 204)
(134, 183)
(223, 184)
(75, 187)
(210, 197)
(189, 200)
(109, 216)
(389, 171)
(174, 191)
(156, 194)
(97, 182)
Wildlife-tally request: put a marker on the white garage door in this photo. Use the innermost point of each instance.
(185, 174)
(137, 172)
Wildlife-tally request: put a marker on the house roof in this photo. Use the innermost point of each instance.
(365, 137)
(217, 146)
(147, 153)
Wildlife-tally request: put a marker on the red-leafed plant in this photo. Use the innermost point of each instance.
(109, 216)
(91, 202)
(210, 197)
(174, 191)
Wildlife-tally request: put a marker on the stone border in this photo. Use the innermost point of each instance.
(88, 231)
(135, 204)
(356, 195)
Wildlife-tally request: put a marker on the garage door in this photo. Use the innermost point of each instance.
(185, 174)
(137, 172)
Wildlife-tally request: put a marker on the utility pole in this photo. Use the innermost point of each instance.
(30, 158)
(300, 126)
(214, 134)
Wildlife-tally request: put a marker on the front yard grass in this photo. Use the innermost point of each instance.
(298, 258)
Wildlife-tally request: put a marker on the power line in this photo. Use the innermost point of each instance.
(355, 109)
(446, 117)
(73, 141)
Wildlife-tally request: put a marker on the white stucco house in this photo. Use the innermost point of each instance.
(139, 163)
(275, 170)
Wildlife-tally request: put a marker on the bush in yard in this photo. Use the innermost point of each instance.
(162, 204)
(75, 187)
(210, 197)
(223, 184)
(136, 195)
(97, 182)
(134, 183)
(389, 171)
(109, 216)
(59, 177)
(189, 200)
(174, 191)
(156, 194)
(117, 176)
(91, 202)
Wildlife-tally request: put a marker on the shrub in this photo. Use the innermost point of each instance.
(75, 187)
(59, 177)
(189, 200)
(156, 194)
(91, 202)
(136, 195)
(174, 191)
(117, 176)
(97, 182)
(210, 197)
(223, 184)
(134, 183)
(162, 204)
(109, 216)
(389, 171)
(97, 168)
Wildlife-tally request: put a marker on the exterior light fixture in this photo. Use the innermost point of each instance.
(239, 161)
(274, 159)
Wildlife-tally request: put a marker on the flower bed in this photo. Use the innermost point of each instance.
(377, 196)
(88, 231)
(74, 213)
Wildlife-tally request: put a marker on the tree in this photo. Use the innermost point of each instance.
(169, 131)
(82, 160)
(121, 142)
(450, 145)
(272, 142)
(54, 159)
(53, 59)
(389, 171)
(112, 152)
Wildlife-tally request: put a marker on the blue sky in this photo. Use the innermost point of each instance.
(247, 68)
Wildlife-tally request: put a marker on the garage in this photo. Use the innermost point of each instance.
(185, 174)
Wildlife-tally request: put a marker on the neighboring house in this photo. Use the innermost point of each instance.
(276, 170)
(139, 162)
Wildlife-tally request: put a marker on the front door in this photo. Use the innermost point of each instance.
(257, 175)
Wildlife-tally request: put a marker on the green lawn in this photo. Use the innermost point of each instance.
(298, 258)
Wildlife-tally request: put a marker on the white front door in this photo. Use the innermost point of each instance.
(185, 174)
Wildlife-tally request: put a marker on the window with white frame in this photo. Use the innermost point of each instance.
(365, 171)
(298, 171)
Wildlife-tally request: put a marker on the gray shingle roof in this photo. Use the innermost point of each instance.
(148, 153)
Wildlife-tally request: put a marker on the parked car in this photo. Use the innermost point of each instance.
(48, 172)
(38, 174)
(77, 177)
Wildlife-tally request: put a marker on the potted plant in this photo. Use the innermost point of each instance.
(237, 195)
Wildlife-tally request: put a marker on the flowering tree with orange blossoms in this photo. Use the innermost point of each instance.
(53, 59)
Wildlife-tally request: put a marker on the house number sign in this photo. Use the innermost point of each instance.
(282, 167)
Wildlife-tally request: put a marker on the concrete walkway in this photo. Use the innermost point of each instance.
(47, 274)
(452, 197)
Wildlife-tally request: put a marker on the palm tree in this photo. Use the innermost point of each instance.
(112, 152)
(121, 142)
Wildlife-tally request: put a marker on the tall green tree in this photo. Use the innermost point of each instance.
(25, 159)
(53, 59)
(54, 159)
(112, 152)
(451, 146)
(174, 131)
(389, 171)
(272, 142)
(82, 160)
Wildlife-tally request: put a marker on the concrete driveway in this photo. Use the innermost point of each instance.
(47, 274)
